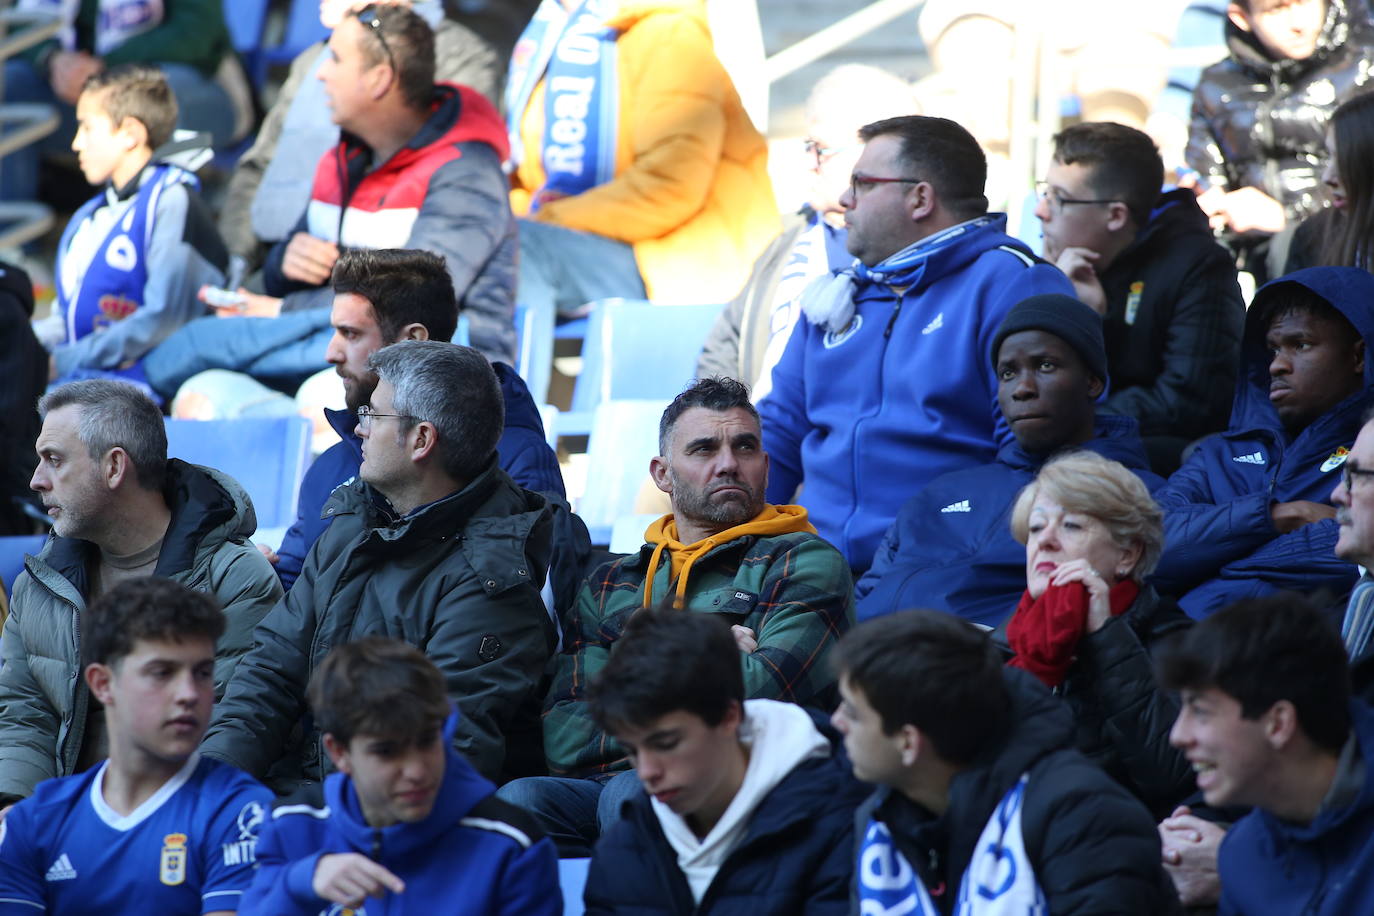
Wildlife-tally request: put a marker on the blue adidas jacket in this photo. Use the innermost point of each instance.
(951, 547)
(868, 417)
(523, 453)
(1325, 868)
(474, 855)
(1220, 542)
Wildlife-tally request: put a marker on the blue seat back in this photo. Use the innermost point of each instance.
(266, 455)
(12, 553)
(624, 437)
(303, 29)
(572, 879)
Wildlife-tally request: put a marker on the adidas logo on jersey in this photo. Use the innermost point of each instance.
(61, 870)
(961, 506)
(935, 325)
(1254, 458)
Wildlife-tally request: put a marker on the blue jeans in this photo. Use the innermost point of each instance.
(202, 105)
(573, 812)
(281, 352)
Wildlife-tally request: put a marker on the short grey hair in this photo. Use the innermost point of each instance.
(452, 387)
(116, 415)
(1088, 484)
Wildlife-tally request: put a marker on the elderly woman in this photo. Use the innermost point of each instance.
(1087, 620)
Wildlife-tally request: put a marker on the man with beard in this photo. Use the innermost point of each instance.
(381, 297)
(722, 550)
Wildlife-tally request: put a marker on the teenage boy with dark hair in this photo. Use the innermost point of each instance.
(157, 827)
(1250, 513)
(131, 259)
(1267, 720)
(745, 804)
(406, 820)
(982, 803)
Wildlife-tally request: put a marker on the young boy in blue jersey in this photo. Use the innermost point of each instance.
(156, 828)
(133, 257)
(407, 821)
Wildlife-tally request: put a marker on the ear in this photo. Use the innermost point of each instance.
(1130, 557)
(1238, 16)
(379, 79)
(1118, 216)
(413, 331)
(135, 132)
(733, 718)
(116, 468)
(338, 754)
(1359, 357)
(658, 470)
(922, 200)
(1280, 724)
(1095, 387)
(910, 744)
(424, 441)
(98, 679)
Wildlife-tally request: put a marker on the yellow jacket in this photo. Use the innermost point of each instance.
(691, 191)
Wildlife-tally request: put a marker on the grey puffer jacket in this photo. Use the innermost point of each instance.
(1259, 122)
(43, 698)
(458, 579)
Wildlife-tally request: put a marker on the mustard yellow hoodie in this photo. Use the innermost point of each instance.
(772, 521)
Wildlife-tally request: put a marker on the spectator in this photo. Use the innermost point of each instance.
(979, 789)
(406, 820)
(1355, 544)
(1248, 513)
(665, 194)
(120, 510)
(268, 193)
(1088, 623)
(132, 258)
(1259, 116)
(747, 807)
(1343, 234)
(850, 415)
(418, 166)
(190, 823)
(24, 366)
(1171, 307)
(722, 550)
(187, 40)
(432, 544)
(750, 334)
(1267, 720)
(951, 548)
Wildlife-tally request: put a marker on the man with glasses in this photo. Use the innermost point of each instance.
(1249, 513)
(885, 384)
(1172, 309)
(433, 545)
(1354, 501)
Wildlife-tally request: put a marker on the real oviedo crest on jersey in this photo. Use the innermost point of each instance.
(172, 870)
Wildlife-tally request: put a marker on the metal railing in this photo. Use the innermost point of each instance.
(23, 123)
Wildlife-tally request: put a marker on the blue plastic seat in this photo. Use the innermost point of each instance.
(266, 455)
(12, 553)
(572, 878)
(624, 437)
(303, 29)
(636, 350)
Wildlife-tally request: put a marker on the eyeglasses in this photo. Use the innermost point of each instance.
(822, 152)
(1349, 472)
(1046, 191)
(859, 182)
(369, 17)
(366, 414)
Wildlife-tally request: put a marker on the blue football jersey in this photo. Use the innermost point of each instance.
(187, 850)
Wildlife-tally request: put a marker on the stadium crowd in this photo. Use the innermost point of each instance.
(993, 581)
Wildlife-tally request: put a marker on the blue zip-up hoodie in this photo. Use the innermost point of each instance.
(951, 548)
(1325, 868)
(1219, 539)
(474, 855)
(522, 452)
(868, 416)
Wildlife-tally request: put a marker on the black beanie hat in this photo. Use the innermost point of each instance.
(1066, 318)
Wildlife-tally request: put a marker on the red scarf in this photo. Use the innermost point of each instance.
(1045, 632)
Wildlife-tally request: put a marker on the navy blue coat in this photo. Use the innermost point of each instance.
(951, 547)
(795, 859)
(1220, 542)
(522, 452)
(1323, 868)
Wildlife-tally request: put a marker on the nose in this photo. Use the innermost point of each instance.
(837, 721)
(1178, 735)
(727, 463)
(648, 768)
(187, 691)
(334, 353)
(1042, 207)
(39, 481)
(1047, 538)
(847, 198)
(1024, 388)
(1339, 497)
(1329, 176)
(1279, 364)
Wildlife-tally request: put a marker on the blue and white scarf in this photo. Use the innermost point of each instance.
(575, 55)
(829, 301)
(811, 257)
(999, 880)
(116, 22)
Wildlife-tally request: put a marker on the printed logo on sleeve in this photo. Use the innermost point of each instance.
(61, 870)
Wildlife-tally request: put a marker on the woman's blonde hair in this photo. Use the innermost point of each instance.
(1088, 484)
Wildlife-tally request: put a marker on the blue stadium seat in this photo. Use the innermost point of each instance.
(624, 437)
(635, 349)
(303, 29)
(572, 878)
(12, 553)
(266, 455)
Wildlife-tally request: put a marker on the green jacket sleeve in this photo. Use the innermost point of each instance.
(28, 722)
(247, 588)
